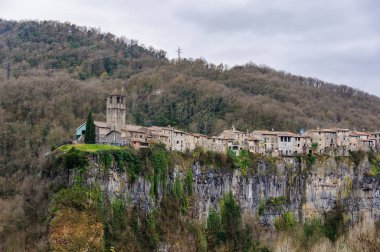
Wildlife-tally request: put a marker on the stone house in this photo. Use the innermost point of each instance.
(158, 136)
(220, 144)
(101, 131)
(255, 144)
(200, 140)
(237, 136)
(139, 136)
(342, 141)
(273, 143)
(302, 145)
(325, 140)
(376, 137)
(361, 141)
(367, 144)
(285, 143)
(269, 143)
(189, 142)
(177, 140)
(114, 138)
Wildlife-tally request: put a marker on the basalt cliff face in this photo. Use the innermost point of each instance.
(289, 184)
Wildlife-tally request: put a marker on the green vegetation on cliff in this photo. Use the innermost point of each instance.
(126, 226)
(89, 147)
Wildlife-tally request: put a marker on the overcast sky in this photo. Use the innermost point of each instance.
(336, 41)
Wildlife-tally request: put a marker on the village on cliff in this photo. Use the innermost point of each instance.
(332, 141)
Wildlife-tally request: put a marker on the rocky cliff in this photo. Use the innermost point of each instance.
(307, 186)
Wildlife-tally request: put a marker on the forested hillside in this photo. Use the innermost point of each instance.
(59, 71)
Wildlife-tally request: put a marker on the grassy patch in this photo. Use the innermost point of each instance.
(89, 147)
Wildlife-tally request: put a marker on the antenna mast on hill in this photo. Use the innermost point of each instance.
(179, 51)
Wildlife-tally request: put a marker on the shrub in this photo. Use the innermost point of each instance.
(75, 159)
(310, 160)
(277, 201)
(79, 198)
(333, 225)
(214, 233)
(375, 164)
(118, 221)
(261, 208)
(285, 222)
(314, 146)
(312, 227)
(356, 157)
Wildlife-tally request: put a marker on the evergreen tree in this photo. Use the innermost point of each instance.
(230, 218)
(214, 233)
(90, 135)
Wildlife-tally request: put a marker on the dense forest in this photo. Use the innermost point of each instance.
(52, 74)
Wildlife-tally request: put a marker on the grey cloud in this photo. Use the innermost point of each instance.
(253, 18)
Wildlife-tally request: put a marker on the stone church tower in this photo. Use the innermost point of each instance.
(116, 110)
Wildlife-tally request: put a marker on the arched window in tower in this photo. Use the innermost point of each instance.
(118, 99)
(111, 100)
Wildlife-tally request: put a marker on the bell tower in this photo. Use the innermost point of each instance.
(116, 110)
